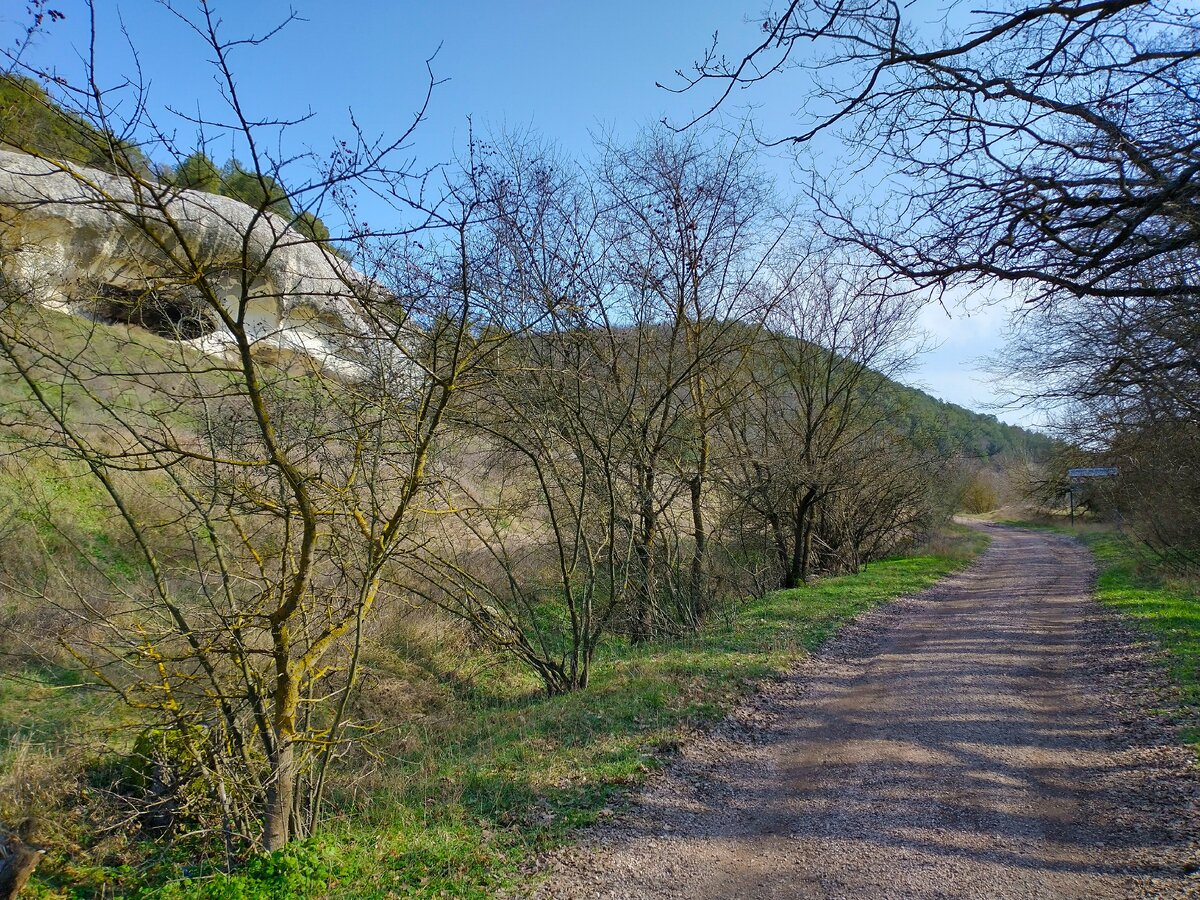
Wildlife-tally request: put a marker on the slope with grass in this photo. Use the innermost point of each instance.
(1163, 604)
(461, 797)
(467, 776)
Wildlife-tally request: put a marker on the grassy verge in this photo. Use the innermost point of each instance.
(512, 773)
(1157, 601)
(462, 799)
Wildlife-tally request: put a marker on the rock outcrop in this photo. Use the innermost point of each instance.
(99, 245)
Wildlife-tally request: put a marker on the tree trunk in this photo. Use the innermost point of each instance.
(642, 626)
(781, 546)
(281, 783)
(806, 553)
(280, 791)
(699, 602)
(791, 574)
(797, 567)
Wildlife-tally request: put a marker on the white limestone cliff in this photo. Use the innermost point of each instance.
(87, 242)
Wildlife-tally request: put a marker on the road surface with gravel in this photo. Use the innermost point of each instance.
(992, 737)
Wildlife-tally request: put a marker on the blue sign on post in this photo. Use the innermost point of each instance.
(1106, 472)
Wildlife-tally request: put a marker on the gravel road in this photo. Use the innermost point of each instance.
(991, 737)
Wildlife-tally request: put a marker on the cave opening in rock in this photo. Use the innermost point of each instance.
(167, 313)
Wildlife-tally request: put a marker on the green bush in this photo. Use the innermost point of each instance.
(297, 871)
(980, 495)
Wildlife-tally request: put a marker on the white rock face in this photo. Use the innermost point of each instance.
(177, 261)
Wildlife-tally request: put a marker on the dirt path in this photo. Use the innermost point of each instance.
(988, 738)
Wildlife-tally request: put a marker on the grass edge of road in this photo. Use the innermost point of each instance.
(516, 776)
(1158, 602)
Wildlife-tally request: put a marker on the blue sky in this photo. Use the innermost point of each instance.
(566, 69)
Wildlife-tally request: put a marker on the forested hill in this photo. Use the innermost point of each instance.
(958, 431)
(943, 429)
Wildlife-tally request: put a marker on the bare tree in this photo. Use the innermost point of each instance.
(1052, 144)
(267, 450)
(534, 556)
(812, 401)
(1052, 147)
(584, 496)
(693, 227)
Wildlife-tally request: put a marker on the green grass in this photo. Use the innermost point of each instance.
(1162, 604)
(460, 800)
(517, 773)
(46, 704)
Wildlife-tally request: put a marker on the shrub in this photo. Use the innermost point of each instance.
(980, 495)
(297, 871)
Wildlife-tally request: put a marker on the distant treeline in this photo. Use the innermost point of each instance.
(955, 430)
